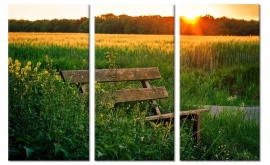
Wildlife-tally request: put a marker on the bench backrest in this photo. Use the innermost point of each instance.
(118, 75)
(79, 77)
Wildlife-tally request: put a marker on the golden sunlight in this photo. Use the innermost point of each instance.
(191, 20)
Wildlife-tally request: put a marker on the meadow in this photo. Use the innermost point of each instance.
(220, 71)
(48, 118)
(121, 133)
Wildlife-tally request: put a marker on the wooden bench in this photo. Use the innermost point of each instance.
(81, 77)
(196, 117)
(78, 77)
(140, 94)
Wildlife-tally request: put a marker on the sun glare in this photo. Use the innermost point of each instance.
(191, 20)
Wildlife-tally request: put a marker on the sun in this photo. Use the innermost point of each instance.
(191, 20)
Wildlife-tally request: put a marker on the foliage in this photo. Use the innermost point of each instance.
(221, 71)
(214, 69)
(48, 118)
(227, 135)
(55, 25)
(124, 24)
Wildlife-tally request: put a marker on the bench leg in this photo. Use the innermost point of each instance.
(196, 127)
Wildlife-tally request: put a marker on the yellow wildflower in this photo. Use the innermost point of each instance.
(17, 63)
(17, 68)
(38, 64)
(27, 68)
(9, 60)
(17, 74)
(29, 63)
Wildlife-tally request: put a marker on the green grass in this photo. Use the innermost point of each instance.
(224, 136)
(60, 55)
(221, 71)
(121, 133)
(48, 118)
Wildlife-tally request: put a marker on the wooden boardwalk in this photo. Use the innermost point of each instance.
(252, 112)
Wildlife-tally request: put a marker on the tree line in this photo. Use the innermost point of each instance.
(208, 25)
(153, 24)
(56, 25)
(124, 24)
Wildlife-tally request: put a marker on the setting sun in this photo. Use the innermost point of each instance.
(190, 20)
(237, 11)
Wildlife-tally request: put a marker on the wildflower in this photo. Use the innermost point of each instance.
(29, 63)
(17, 63)
(38, 64)
(27, 68)
(9, 60)
(110, 105)
(58, 78)
(35, 69)
(11, 67)
(17, 68)
(46, 72)
(101, 115)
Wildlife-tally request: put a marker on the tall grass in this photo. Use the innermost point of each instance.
(60, 47)
(227, 135)
(211, 53)
(121, 133)
(48, 118)
(222, 71)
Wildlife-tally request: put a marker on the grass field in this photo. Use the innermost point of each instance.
(48, 118)
(59, 47)
(220, 70)
(119, 135)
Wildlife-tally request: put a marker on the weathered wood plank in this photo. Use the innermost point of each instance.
(130, 74)
(156, 110)
(75, 76)
(196, 128)
(140, 94)
(191, 112)
(162, 116)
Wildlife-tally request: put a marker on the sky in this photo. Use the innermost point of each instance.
(237, 11)
(135, 9)
(41, 11)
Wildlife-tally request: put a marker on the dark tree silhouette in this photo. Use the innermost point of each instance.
(208, 25)
(55, 25)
